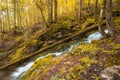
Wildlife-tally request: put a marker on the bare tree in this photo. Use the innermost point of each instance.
(43, 18)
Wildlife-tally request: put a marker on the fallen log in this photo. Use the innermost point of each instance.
(5, 53)
(51, 46)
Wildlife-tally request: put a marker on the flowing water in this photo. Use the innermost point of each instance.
(94, 36)
(21, 70)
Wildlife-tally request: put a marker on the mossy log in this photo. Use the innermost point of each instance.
(4, 54)
(52, 45)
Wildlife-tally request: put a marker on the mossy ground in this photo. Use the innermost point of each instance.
(84, 61)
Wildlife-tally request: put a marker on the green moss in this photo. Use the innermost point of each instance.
(18, 54)
(43, 61)
(88, 23)
(5, 37)
(62, 70)
(34, 42)
(54, 78)
(21, 52)
(87, 61)
(74, 72)
(79, 68)
(96, 77)
(108, 51)
(88, 47)
(59, 47)
(83, 48)
(68, 77)
(18, 39)
(90, 20)
(75, 52)
(37, 34)
(114, 58)
(117, 46)
(117, 22)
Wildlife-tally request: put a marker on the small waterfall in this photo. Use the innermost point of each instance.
(21, 70)
(94, 36)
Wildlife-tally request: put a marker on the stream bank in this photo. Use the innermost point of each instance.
(83, 62)
(21, 70)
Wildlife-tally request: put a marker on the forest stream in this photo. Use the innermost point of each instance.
(59, 39)
(22, 69)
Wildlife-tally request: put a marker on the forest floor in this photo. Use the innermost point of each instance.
(83, 62)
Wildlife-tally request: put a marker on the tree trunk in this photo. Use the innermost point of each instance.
(104, 8)
(110, 25)
(55, 10)
(8, 17)
(19, 15)
(82, 4)
(50, 11)
(0, 25)
(43, 18)
(96, 7)
(75, 8)
(0, 19)
(79, 10)
(89, 5)
(14, 2)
